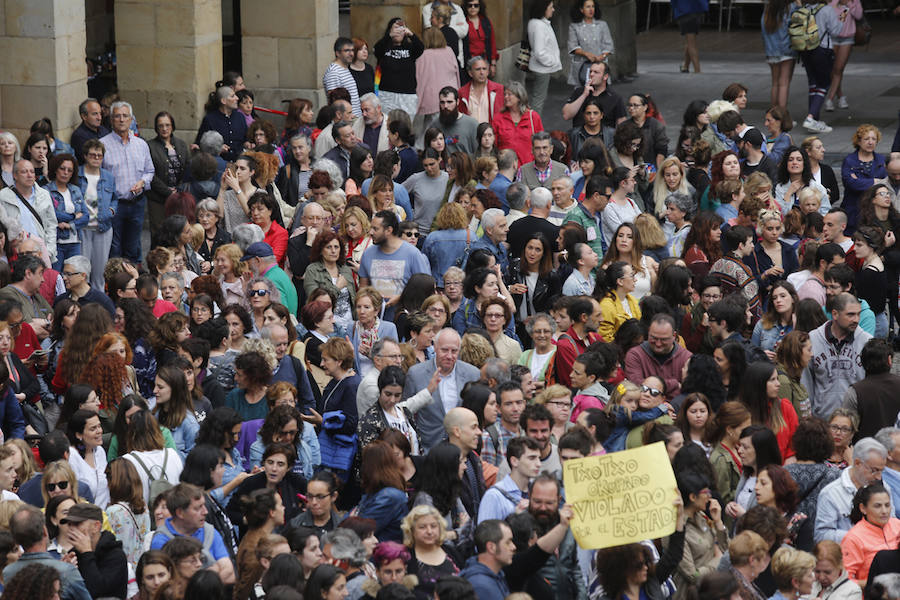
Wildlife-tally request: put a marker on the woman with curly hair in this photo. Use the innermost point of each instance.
(108, 374)
(630, 571)
(251, 377)
(92, 323)
(776, 489)
(167, 334)
(702, 246)
(794, 174)
(860, 169)
(327, 269)
(34, 581)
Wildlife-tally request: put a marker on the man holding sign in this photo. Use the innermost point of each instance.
(561, 571)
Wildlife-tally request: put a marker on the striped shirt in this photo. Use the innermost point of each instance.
(337, 76)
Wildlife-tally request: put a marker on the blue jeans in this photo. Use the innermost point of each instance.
(818, 63)
(64, 251)
(127, 225)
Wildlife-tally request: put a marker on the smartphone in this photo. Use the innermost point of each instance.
(231, 168)
(39, 352)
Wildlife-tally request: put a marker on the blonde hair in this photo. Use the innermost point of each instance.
(829, 550)
(661, 191)
(554, 391)
(7, 509)
(619, 393)
(233, 253)
(264, 348)
(475, 349)
(360, 215)
(651, 233)
(809, 192)
(29, 465)
(766, 215)
(717, 107)
(198, 234)
(433, 38)
(746, 545)
(409, 523)
(55, 468)
(789, 564)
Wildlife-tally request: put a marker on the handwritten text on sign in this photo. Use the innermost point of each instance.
(622, 497)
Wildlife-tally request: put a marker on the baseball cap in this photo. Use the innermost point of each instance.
(753, 136)
(84, 512)
(257, 250)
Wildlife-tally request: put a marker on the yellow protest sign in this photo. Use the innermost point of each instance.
(621, 498)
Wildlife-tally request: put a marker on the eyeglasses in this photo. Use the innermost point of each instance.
(414, 234)
(95, 155)
(494, 315)
(559, 403)
(51, 487)
(841, 429)
(67, 274)
(252, 293)
(452, 284)
(652, 391)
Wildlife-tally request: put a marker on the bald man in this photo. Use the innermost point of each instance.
(461, 425)
(454, 374)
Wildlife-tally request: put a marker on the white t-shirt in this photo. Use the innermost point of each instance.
(400, 423)
(538, 361)
(153, 460)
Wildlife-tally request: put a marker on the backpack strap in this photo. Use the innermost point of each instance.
(495, 439)
(143, 466)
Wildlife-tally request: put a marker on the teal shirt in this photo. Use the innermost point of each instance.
(236, 400)
(285, 287)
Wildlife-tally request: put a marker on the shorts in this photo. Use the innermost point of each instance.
(774, 60)
(843, 41)
(689, 23)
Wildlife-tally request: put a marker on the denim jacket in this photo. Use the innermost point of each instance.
(107, 202)
(767, 339)
(59, 206)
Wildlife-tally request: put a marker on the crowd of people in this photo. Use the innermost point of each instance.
(360, 349)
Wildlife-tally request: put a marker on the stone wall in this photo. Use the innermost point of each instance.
(169, 57)
(286, 47)
(44, 74)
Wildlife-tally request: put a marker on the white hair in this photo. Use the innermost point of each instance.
(119, 104)
(330, 167)
(245, 234)
(211, 142)
(541, 197)
(866, 446)
(81, 263)
(490, 216)
(370, 97)
(5, 135)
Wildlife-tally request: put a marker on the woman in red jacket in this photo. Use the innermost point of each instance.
(515, 125)
(760, 391)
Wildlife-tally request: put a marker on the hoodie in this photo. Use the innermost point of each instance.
(593, 396)
(487, 584)
(105, 569)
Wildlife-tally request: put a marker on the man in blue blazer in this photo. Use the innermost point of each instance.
(453, 373)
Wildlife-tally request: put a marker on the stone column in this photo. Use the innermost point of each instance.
(44, 72)
(169, 56)
(286, 45)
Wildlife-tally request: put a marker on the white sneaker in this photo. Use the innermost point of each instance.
(842, 102)
(829, 105)
(811, 124)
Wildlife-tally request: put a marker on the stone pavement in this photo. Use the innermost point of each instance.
(871, 83)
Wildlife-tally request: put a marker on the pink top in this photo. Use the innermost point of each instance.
(847, 14)
(435, 69)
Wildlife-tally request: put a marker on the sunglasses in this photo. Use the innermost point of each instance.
(252, 293)
(414, 234)
(653, 392)
(68, 522)
(51, 487)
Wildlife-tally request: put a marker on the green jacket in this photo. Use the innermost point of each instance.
(578, 214)
(113, 452)
(317, 276)
(286, 288)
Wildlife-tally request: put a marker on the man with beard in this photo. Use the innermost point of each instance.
(561, 571)
(836, 362)
(461, 425)
(659, 356)
(460, 130)
(535, 421)
(509, 494)
(370, 127)
(585, 314)
(389, 262)
(494, 542)
(496, 438)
